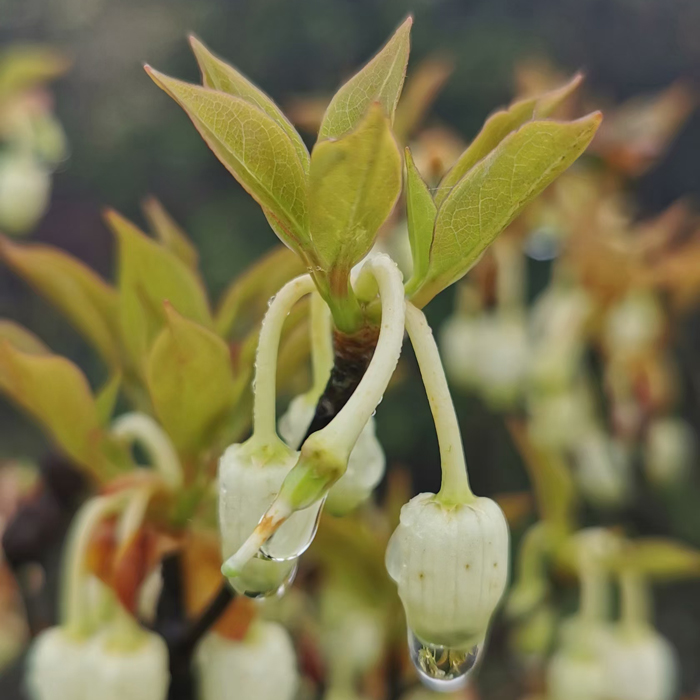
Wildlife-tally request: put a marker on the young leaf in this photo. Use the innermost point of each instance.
(106, 398)
(254, 148)
(21, 338)
(499, 125)
(88, 302)
(56, 393)
(190, 381)
(149, 274)
(169, 233)
(491, 194)
(659, 558)
(381, 80)
(249, 293)
(219, 75)
(354, 184)
(421, 212)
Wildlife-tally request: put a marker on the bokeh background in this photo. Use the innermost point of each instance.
(128, 140)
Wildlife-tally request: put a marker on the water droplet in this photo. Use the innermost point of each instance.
(441, 668)
(295, 536)
(278, 591)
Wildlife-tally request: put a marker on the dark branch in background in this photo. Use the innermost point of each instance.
(352, 356)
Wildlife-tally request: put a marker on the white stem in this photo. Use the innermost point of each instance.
(264, 417)
(636, 605)
(321, 344)
(133, 516)
(342, 432)
(74, 614)
(455, 480)
(138, 427)
(594, 593)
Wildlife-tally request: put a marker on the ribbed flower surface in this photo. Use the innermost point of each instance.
(261, 667)
(451, 567)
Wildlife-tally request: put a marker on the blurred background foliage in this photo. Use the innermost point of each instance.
(127, 141)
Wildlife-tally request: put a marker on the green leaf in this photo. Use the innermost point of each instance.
(354, 184)
(247, 297)
(106, 399)
(421, 212)
(219, 75)
(492, 193)
(659, 558)
(499, 125)
(26, 66)
(381, 80)
(254, 148)
(169, 233)
(149, 273)
(89, 303)
(21, 338)
(190, 381)
(55, 392)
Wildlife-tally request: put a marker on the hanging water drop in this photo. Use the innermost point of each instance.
(440, 668)
(276, 589)
(295, 536)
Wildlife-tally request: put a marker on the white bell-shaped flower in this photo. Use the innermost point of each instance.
(56, 667)
(576, 671)
(365, 466)
(249, 481)
(450, 563)
(603, 469)
(25, 186)
(669, 451)
(639, 667)
(138, 671)
(502, 358)
(634, 324)
(460, 336)
(260, 667)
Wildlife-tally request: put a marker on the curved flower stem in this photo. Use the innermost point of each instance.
(138, 427)
(341, 434)
(324, 455)
(264, 416)
(73, 608)
(455, 480)
(321, 344)
(594, 593)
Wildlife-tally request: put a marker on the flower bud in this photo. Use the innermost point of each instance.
(450, 563)
(365, 466)
(138, 672)
(57, 667)
(260, 667)
(670, 451)
(603, 468)
(634, 324)
(576, 671)
(249, 480)
(25, 186)
(639, 667)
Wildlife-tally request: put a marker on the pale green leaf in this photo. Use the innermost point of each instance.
(149, 274)
(493, 192)
(219, 75)
(169, 233)
(247, 297)
(381, 80)
(106, 398)
(26, 66)
(21, 338)
(421, 212)
(254, 148)
(190, 381)
(499, 125)
(89, 303)
(660, 558)
(55, 392)
(354, 184)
